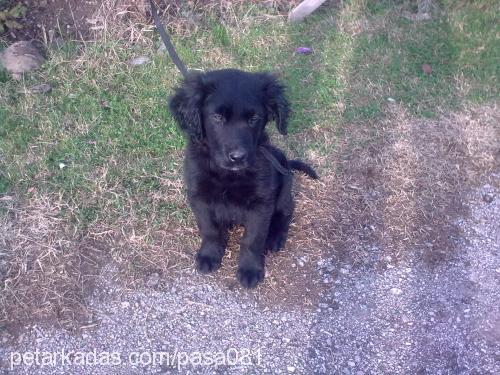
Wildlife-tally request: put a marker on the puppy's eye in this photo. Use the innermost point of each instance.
(217, 117)
(253, 120)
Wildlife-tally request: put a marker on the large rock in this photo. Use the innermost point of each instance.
(304, 9)
(21, 57)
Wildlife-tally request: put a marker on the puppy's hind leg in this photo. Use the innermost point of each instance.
(280, 221)
(278, 231)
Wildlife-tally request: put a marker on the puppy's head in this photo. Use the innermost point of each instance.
(228, 110)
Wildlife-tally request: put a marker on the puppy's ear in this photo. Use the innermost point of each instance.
(276, 102)
(186, 105)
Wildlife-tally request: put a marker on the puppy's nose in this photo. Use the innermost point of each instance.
(237, 155)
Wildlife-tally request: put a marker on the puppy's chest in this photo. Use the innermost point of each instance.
(237, 193)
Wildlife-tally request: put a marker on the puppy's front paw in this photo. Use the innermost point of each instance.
(250, 273)
(206, 263)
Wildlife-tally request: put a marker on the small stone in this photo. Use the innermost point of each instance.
(153, 280)
(351, 363)
(417, 17)
(5, 337)
(488, 198)
(21, 57)
(42, 88)
(396, 291)
(139, 60)
(290, 369)
(162, 48)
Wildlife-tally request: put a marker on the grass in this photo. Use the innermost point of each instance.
(103, 109)
(461, 47)
(104, 147)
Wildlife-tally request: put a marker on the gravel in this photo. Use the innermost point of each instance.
(386, 317)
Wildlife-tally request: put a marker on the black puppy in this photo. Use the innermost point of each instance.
(233, 174)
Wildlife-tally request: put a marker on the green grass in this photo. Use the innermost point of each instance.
(106, 115)
(460, 45)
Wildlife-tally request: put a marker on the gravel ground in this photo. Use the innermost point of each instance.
(386, 317)
(412, 319)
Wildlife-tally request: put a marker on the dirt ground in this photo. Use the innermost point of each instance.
(63, 17)
(84, 19)
(343, 303)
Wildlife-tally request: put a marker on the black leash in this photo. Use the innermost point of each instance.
(182, 68)
(276, 164)
(168, 43)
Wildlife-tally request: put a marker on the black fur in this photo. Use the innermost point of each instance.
(229, 181)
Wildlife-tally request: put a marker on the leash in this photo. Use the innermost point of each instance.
(276, 164)
(168, 43)
(182, 68)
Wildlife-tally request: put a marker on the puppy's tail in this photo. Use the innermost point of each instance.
(299, 165)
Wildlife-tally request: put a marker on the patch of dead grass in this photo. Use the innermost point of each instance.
(129, 19)
(48, 267)
(396, 185)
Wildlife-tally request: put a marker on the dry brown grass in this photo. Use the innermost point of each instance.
(49, 269)
(397, 184)
(130, 19)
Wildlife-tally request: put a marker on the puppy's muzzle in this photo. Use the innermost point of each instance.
(238, 156)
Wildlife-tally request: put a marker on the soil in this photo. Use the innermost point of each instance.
(77, 19)
(68, 18)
